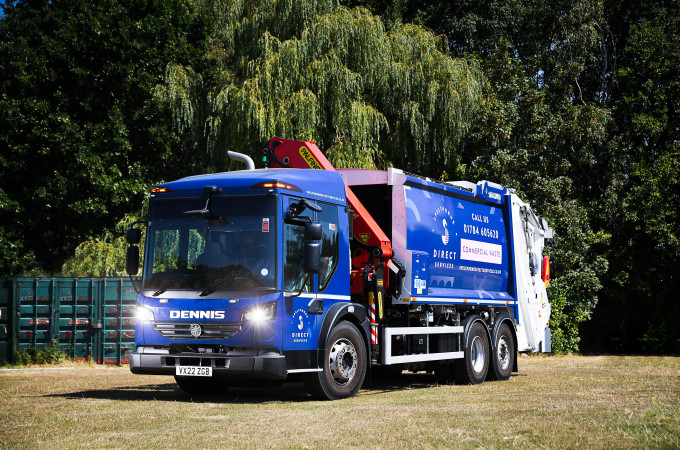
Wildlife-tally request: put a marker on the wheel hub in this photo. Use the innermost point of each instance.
(343, 361)
(503, 353)
(478, 354)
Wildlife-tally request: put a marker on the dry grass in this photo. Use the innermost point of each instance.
(570, 401)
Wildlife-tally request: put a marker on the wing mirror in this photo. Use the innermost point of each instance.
(313, 232)
(133, 236)
(132, 260)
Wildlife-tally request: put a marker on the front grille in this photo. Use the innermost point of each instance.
(210, 331)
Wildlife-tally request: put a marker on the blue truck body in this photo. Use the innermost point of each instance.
(464, 241)
(229, 291)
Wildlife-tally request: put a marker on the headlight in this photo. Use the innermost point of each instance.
(265, 312)
(144, 314)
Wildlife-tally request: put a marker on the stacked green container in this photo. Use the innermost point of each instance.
(89, 318)
(5, 329)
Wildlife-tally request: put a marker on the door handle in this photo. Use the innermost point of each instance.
(315, 306)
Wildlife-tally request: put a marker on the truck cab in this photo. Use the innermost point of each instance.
(240, 271)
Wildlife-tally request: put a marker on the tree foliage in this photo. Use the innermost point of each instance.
(573, 103)
(538, 131)
(82, 135)
(640, 310)
(315, 70)
(580, 115)
(103, 256)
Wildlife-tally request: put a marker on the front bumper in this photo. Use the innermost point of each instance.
(260, 364)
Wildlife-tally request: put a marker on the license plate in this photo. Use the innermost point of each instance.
(193, 371)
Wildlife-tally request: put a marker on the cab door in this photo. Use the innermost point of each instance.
(300, 327)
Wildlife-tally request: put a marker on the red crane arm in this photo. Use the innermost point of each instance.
(306, 155)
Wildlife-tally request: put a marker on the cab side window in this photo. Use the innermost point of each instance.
(294, 254)
(330, 250)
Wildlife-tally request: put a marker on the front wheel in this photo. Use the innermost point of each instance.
(472, 369)
(344, 367)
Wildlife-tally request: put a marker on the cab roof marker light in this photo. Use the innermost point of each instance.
(276, 185)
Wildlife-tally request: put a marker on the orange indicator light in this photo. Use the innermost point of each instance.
(276, 185)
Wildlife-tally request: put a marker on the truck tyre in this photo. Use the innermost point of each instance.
(201, 386)
(344, 367)
(503, 354)
(472, 369)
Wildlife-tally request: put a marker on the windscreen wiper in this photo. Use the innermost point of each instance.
(213, 286)
(165, 287)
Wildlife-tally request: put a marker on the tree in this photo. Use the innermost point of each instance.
(103, 256)
(540, 128)
(311, 70)
(82, 135)
(315, 70)
(581, 115)
(639, 311)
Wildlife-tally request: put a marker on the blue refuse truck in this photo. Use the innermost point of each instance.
(298, 271)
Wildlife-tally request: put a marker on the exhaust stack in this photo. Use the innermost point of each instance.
(241, 157)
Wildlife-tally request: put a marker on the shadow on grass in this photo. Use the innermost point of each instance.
(170, 392)
(382, 382)
(247, 393)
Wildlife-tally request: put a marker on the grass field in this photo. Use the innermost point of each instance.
(571, 401)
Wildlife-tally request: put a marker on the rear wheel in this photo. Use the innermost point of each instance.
(344, 366)
(201, 386)
(472, 369)
(504, 354)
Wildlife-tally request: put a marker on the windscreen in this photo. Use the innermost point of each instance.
(232, 248)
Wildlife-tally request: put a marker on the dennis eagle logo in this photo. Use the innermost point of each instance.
(195, 330)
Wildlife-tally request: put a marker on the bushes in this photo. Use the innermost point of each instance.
(52, 354)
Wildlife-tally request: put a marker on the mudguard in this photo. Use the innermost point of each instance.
(352, 312)
(467, 323)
